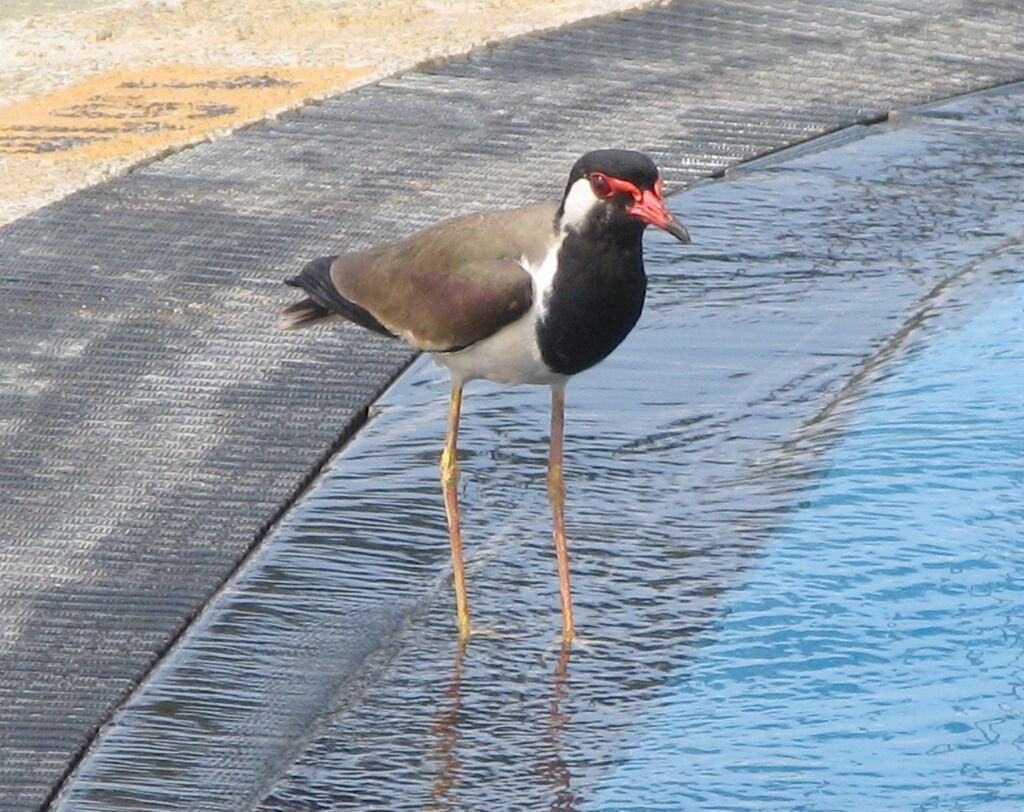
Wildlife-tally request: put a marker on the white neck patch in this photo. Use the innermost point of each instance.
(578, 205)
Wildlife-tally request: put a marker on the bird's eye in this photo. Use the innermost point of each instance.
(599, 183)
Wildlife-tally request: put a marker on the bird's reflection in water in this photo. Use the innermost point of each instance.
(446, 734)
(550, 765)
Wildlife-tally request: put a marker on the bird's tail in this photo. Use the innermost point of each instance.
(323, 300)
(302, 313)
(308, 310)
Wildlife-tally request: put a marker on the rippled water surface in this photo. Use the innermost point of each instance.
(795, 516)
(873, 656)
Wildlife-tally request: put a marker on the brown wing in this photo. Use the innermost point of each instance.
(454, 283)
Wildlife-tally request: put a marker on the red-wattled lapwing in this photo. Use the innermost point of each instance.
(530, 295)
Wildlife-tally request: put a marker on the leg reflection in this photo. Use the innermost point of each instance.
(553, 767)
(549, 766)
(445, 733)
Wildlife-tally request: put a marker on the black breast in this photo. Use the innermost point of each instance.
(596, 299)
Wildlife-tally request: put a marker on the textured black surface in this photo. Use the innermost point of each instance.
(152, 418)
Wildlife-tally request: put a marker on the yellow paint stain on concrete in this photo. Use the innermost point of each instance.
(144, 110)
(72, 115)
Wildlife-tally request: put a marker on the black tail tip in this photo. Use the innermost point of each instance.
(302, 313)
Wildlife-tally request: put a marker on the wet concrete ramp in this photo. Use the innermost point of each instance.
(153, 421)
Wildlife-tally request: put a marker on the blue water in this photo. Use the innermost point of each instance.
(874, 656)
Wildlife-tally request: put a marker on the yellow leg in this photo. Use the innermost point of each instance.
(449, 479)
(556, 496)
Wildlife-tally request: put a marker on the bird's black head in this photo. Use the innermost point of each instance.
(616, 191)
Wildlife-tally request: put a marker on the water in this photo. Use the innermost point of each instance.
(874, 653)
(794, 515)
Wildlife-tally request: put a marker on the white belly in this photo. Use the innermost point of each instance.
(510, 356)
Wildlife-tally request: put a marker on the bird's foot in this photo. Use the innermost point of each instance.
(576, 642)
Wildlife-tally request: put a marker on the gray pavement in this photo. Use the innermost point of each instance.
(153, 421)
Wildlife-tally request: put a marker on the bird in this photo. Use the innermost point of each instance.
(531, 295)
